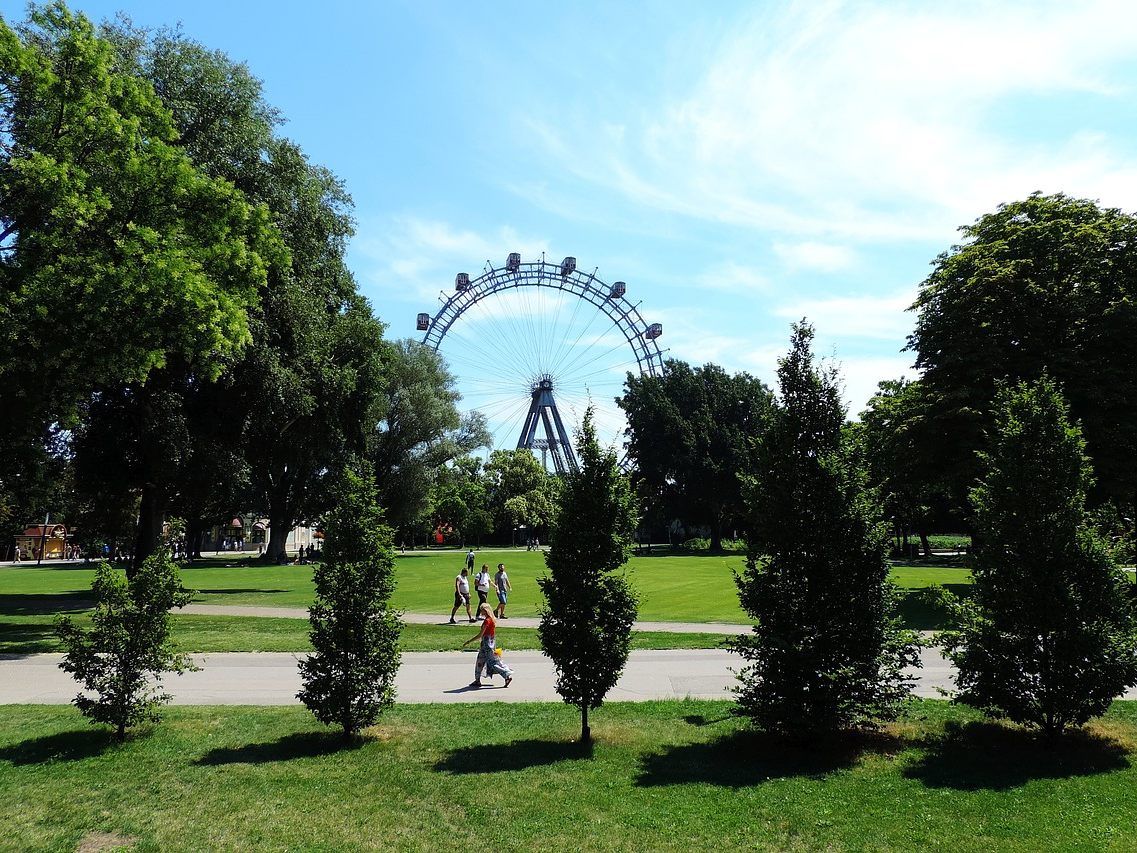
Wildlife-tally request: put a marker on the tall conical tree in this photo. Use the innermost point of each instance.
(350, 677)
(1049, 638)
(589, 609)
(826, 652)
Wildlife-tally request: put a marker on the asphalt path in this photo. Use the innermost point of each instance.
(239, 678)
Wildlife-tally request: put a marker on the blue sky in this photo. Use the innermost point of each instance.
(740, 165)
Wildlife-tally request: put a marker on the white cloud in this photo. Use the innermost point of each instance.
(871, 122)
(880, 317)
(412, 258)
(822, 257)
(731, 277)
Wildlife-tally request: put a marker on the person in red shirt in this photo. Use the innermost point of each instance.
(492, 662)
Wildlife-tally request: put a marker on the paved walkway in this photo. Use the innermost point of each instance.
(272, 679)
(443, 619)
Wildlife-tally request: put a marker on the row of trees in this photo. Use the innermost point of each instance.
(1042, 286)
(179, 333)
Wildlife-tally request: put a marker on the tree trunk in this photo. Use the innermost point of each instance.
(151, 514)
(279, 521)
(924, 544)
(585, 731)
(195, 530)
(716, 537)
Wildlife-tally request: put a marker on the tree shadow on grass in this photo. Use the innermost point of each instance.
(287, 748)
(236, 591)
(518, 755)
(17, 640)
(991, 756)
(920, 611)
(63, 746)
(37, 604)
(745, 758)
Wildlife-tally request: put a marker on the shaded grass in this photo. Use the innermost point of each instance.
(661, 776)
(35, 634)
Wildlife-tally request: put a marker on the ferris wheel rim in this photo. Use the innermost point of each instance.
(623, 313)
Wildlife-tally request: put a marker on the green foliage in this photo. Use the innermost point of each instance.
(590, 607)
(350, 678)
(1049, 638)
(1043, 285)
(520, 492)
(122, 657)
(420, 431)
(689, 434)
(826, 652)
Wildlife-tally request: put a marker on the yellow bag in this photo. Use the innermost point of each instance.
(497, 651)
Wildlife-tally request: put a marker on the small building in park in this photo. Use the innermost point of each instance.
(53, 538)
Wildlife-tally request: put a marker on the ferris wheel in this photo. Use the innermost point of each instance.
(532, 345)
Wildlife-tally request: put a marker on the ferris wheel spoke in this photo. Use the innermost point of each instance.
(576, 365)
(499, 345)
(489, 356)
(580, 336)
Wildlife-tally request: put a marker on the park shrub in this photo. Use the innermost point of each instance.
(589, 610)
(350, 677)
(827, 652)
(1049, 637)
(700, 545)
(122, 657)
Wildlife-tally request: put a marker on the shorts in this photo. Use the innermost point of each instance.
(502, 596)
(461, 598)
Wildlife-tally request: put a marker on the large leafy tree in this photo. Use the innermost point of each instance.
(1046, 284)
(826, 652)
(108, 230)
(900, 437)
(590, 607)
(689, 435)
(1049, 638)
(521, 493)
(420, 430)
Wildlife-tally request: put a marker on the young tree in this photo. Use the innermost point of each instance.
(826, 652)
(350, 677)
(123, 656)
(1050, 637)
(589, 608)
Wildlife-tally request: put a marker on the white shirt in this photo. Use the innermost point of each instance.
(463, 584)
(483, 581)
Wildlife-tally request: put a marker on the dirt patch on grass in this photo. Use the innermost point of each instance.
(94, 842)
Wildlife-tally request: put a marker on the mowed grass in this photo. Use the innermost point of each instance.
(35, 634)
(662, 776)
(694, 588)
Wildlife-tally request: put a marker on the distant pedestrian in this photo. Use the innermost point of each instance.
(488, 659)
(470, 561)
(462, 595)
(482, 585)
(501, 582)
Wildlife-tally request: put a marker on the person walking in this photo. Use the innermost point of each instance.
(488, 658)
(482, 586)
(503, 586)
(470, 561)
(462, 595)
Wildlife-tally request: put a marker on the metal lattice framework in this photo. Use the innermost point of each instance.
(534, 370)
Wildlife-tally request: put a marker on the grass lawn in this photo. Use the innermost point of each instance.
(679, 588)
(663, 776)
(33, 634)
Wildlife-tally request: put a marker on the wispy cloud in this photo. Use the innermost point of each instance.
(867, 122)
(862, 316)
(819, 257)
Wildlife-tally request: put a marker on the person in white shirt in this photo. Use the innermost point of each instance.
(462, 595)
(482, 585)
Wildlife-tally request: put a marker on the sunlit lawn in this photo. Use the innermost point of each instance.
(662, 776)
(673, 588)
(191, 633)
